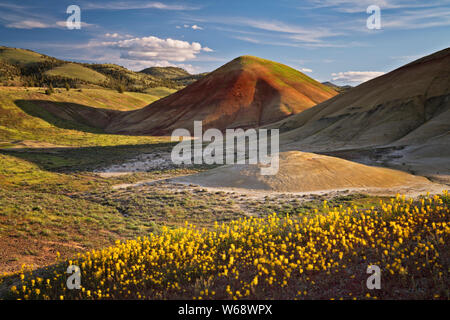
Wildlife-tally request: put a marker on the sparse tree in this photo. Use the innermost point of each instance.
(49, 90)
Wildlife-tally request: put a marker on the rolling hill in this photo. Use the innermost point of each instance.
(77, 71)
(408, 104)
(174, 74)
(400, 119)
(166, 72)
(70, 118)
(246, 92)
(339, 89)
(20, 67)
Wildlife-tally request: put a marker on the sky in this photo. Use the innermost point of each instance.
(329, 40)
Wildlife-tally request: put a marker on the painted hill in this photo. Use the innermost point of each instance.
(405, 112)
(246, 92)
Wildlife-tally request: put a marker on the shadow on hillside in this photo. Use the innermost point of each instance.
(68, 115)
(79, 159)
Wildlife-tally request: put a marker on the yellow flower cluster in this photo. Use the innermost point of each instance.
(325, 256)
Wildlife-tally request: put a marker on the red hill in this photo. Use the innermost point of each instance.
(246, 92)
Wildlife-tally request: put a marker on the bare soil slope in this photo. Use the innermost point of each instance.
(246, 92)
(409, 105)
(407, 110)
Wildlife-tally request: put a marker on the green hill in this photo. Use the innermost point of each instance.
(20, 67)
(77, 71)
(340, 89)
(166, 72)
(175, 74)
(71, 118)
(20, 56)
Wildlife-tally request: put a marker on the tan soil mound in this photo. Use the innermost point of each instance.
(305, 172)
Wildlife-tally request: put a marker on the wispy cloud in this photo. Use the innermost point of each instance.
(357, 6)
(25, 17)
(28, 24)
(294, 32)
(131, 5)
(63, 24)
(34, 24)
(417, 19)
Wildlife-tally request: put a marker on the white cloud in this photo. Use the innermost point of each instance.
(116, 35)
(155, 49)
(112, 35)
(194, 27)
(355, 76)
(305, 70)
(28, 24)
(188, 67)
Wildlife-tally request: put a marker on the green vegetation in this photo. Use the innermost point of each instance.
(77, 71)
(19, 67)
(166, 72)
(281, 71)
(20, 56)
(160, 91)
(24, 115)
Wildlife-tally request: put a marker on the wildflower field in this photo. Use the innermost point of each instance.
(321, 256)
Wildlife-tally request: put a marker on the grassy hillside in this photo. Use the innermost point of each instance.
(160, 91)
(39, 175)
(20, 56)
(77, 71)
(174, 74)
(340, 89)
(166, 72)
(24, 115)
(20, 67)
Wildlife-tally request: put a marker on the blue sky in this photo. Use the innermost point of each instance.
(326, 39)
